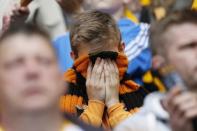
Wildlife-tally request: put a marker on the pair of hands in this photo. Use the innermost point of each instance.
(17, 15)
(103, 82)
(182, 107)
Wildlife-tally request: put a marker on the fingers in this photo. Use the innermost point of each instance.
(189, 105)
(94, 73)
(102, 80)
(24, 11)
(89, 71)
(97, 64)
(106, 74)
(185, 98)
(18, 14)
(97, 69)
(112, 66)
(21, 11)
(191, 113)
(182, 105)
(186, 104)
(115, 67)
(95, 82)
(168, 104)
(113, 70)
(112, 83)
(16, 10)
(116, 71)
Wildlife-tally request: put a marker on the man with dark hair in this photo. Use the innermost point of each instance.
(174, 40)
(98, 78)
(31, 83)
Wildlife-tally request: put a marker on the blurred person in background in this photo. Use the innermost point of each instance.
(46, 14)
(138, 11)
(70, 8)
(62, 43)
(159, 9)
(55, 16)
(5, 6)
(132, 10)
(177, 110)
(31, 83)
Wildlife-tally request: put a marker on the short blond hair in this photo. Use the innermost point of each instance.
(94, 28)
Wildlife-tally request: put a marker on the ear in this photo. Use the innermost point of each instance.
(73, 56)
(121, 46)
(158, 61)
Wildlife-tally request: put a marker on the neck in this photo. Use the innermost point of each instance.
(40, 121)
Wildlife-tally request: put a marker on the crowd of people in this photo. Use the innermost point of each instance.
(123, 65)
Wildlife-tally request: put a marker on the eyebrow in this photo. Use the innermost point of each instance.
(191, 44)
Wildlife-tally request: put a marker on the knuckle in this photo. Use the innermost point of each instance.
(89, 84)
(98, 88)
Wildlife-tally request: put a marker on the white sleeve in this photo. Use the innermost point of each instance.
(147, 118)
(49, 16)
(135, 123)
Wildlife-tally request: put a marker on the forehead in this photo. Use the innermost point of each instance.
(181, 34)
(23, 45)
(86, 49)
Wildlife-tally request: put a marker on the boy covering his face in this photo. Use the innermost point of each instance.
(98, 78)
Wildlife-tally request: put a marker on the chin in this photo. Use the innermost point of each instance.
(37, 105)
(42, 107)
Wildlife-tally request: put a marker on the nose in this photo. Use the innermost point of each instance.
(32, 69)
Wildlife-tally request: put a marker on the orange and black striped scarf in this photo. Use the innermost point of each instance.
(130, 93)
